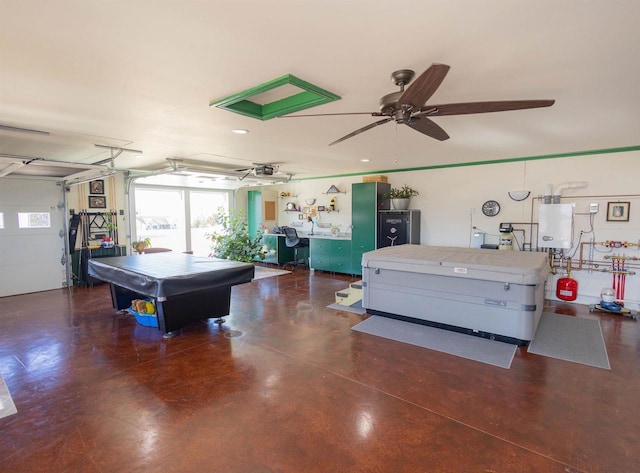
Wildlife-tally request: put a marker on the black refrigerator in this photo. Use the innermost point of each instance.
(398, 227)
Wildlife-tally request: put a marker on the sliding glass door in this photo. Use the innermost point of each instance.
(162, 214)
(204, 209)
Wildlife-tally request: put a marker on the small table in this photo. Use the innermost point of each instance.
(184, 288)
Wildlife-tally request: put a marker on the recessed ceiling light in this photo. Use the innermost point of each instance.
(365, 160)
(240, 131)
(139, 155)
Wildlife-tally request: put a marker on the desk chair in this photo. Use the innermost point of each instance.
(292, 240)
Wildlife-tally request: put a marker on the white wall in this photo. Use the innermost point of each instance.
(450, 201)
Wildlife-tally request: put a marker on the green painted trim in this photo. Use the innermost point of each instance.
(482, 163)
(311, 96)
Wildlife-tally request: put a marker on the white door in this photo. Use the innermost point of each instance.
(32, 245)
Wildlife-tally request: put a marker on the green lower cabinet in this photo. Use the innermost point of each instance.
(277, 252)
(341, 256)
(330, 255)
(356, 262)
(319, 254)
(270, 247)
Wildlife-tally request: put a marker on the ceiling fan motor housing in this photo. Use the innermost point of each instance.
(388, 103)
(402, 77)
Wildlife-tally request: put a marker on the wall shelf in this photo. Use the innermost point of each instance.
(334, 190)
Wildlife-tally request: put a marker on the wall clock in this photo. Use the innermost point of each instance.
(491, 208)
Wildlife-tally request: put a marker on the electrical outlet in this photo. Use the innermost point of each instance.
(593, 208)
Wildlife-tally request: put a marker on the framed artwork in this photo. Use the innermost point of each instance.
(618, 211)
(321, 208)
(96, 187)
(97, 202)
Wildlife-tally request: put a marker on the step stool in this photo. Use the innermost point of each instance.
(350, 295)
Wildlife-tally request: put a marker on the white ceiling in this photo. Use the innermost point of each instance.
(141, 74)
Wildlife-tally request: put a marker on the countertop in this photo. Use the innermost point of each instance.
(324, 235)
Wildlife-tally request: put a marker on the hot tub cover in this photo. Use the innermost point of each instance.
(162, 275)
(517, 267)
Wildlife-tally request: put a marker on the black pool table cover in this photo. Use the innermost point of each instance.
(163, 275)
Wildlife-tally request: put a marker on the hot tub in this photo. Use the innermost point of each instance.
(496, 294)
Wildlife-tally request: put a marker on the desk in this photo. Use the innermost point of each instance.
(184, 288)
(277, 252)
(325, 252)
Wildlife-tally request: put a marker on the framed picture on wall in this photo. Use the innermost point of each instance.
(97, 202)
(96, 187)
(618, 211)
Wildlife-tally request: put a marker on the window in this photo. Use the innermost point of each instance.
(160, 217)
(162, 213)
(34, 220)
(204, 209)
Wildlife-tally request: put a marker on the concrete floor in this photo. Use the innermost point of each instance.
(285, 386)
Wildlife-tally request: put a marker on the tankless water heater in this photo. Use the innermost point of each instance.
(555, 226)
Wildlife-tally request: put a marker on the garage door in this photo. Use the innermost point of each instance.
(32, 235)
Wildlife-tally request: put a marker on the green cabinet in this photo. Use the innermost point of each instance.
(277, 252)
(320, 254)
(254, 212)
(367, 199)
(341, 256)
(330, 255)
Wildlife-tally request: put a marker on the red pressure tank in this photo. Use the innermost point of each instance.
(567, 289)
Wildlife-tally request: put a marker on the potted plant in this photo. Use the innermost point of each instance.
(400, 196)
(233, 240)
(140, 245)
(109, 219)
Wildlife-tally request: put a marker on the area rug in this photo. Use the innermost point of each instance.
(264, 272)
(356, 308)
(7, 407)
(466, 346)
(570, 339)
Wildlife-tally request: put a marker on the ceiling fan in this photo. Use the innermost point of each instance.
(408, 107)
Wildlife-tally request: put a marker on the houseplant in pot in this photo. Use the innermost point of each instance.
(401, 196)
(139, 245)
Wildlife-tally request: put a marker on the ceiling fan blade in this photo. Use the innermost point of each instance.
(424, 86)
(361, 130)
(428, 127)
(480, 107)
(373, 114)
